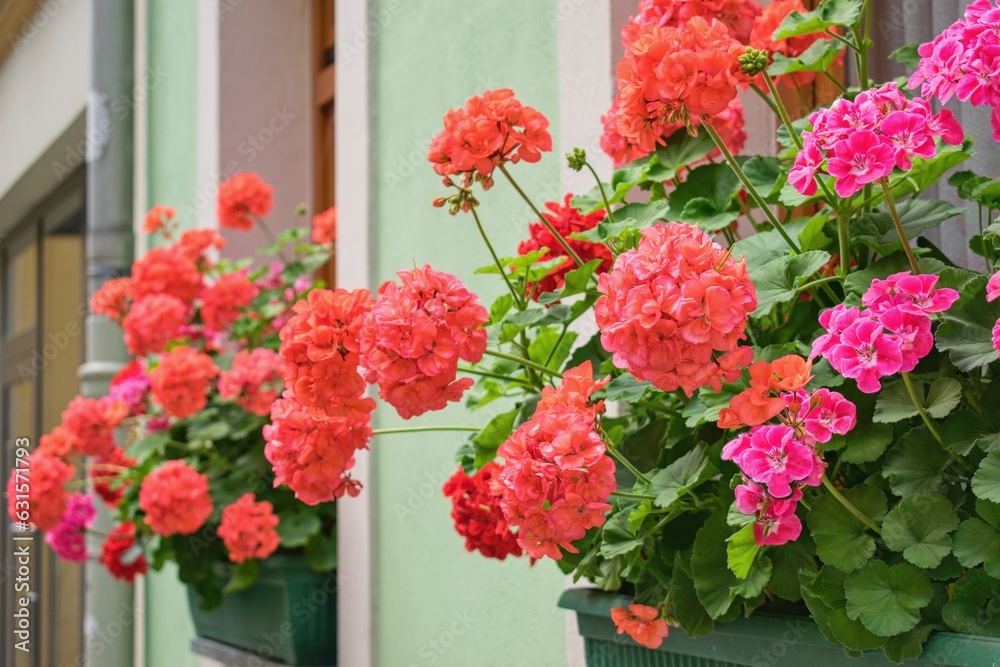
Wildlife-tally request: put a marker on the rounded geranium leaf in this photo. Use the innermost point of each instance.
(841, 539)
(977, 540)
(969, 610)
(887, 599)
(915, 464)
(986, 481)
(920, 527)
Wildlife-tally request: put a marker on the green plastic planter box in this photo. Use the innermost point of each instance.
(758, 641)
(289, 615)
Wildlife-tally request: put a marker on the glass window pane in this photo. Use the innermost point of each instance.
(21, 293)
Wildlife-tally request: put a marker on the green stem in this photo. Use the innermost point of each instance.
(818, 282)
(271, 238)
(721, 145)
(417, 429)
(527, 363)
(841, 38)
(899, 225)
(650, 405)
(764, 96)
(931, 426)
(604, 197)
(782, 111)
(497, 376)
(849, 506)
(844, 232)
(636, 496)
(556, 346)
(552, 230)
(618, 456)
(503, 272)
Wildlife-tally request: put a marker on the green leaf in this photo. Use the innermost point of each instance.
(852, 633)
(688, 609)
(626, 388)
(778, 280)
(967, 331)
(909, 645)
(915, 465)
(841, 539)
(679, 151)
(713, 186)
(894, 403)
(977, 540)
(713, 579)
(972, 609)
(887, 599)
(907, 55)
(321, 551)
(644, 215)
(830, 13)
(920, 527)
(925, 172)
(495, 433)
(296, 526)
(617, 537)
(551, 348)
(789, 560)
(244, 576)
(766, 174)
(944, 396)
(604, 232)
(756, 580)
(702, 212)
(575, 282)
(866, 442)
(681, 476)
(878, 232)
(986, 481)
(820, 55)
(741, 550)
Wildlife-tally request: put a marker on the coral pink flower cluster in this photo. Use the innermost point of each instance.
(476, 511)
(106, 474)
(777, 460)
(175, 499)
(964, 61)
(254, 380)
(90, 424)
(670, 74)
(181, 381)
(322, 418)
(415, 335)
(223, 301)
(642, 623)
(491, 129)
(119, 554)
(557, 477)
(68, 537)
(40, 490)
(249, 529)
(739, 16)
(864, 140)
(240, 198)
(567, 220)
(890, 335)
(324, 227)
(674, 310)
(992, 294)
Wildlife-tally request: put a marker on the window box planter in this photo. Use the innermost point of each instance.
(289, 614)
(758, 641)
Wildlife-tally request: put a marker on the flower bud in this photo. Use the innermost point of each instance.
(576, 159)
(754, 61)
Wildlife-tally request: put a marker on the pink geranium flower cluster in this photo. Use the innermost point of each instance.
(890, 335)
(254, 380)
(68, 538)
(674, 310)
(670, 74)
(491, 129)
(249, 529)
(557, 477)
(175, 499)
(322, 418)
(777, 460)
(738, 16)
(964, 61)
(992, 294)
(864, 140)
(90, 424)
(414, 337)
(223, 301)
(181, 381)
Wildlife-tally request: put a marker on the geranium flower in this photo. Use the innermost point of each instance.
(475, 509)
(642, 623)
(175, 499)
(248, 529)
(46, 494)
(324, 227)
(180, 382)
(68, 537)
(119, 553)
(240, 198)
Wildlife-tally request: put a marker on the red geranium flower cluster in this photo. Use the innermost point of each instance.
(166, 270)
(674, 310)
(175, 499)
(670, 74)
(891, 335)
(763, 29)
(112, 299)
(241, 197)
(196, 242)
(312, 451)
(180, 382)
(642, 623)
(106, 473)
(739, 16)
(90, 423)
(324, 227)
(475, 508)
(320, 344)
(58, 443)
(120, 556)
(489, 130)
(415, 336)
(223, 301)
(567, 220)
(46, 494)
(556, 477)
(776, 460)
(254, 381)
(152, 322)
(248, 529)
(865, 139)
(964, 61)
(157, 218)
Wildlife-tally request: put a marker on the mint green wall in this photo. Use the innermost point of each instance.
(437, 603)
(172, 34)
